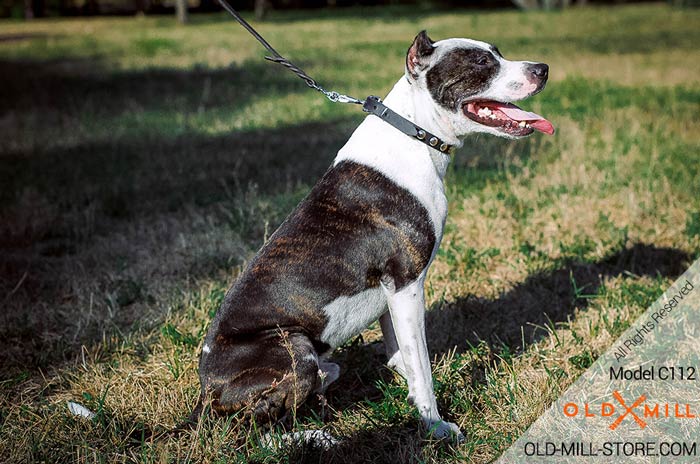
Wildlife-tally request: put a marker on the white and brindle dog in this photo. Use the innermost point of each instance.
(358, 247)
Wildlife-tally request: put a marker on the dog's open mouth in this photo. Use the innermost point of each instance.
(507, 117)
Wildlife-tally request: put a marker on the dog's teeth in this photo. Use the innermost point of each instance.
(522, 124)
(492, 116)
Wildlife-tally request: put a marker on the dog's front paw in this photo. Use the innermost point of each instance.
(446, 430)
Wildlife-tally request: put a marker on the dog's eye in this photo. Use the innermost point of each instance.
(483, 60)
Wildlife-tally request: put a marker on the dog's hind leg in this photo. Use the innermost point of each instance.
(265, 376)
(391, 346)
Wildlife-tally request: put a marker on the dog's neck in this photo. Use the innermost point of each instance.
(374, 137)
(403, 159)
(416, 105)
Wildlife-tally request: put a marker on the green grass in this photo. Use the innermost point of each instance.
(142, 164)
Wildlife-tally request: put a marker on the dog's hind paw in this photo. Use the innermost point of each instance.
(319, 438)
(446, 431)
(396, 363)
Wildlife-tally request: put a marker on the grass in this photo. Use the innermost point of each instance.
(143, 163)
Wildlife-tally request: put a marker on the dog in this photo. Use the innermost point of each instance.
(358, 247)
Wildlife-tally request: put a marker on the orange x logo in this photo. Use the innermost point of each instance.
(628, 410)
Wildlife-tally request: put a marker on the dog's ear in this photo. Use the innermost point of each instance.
(419, 53)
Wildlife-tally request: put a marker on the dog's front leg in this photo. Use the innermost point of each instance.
(407, 310)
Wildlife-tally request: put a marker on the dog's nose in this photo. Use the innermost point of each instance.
(539, 70)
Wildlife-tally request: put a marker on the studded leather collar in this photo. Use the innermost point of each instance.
(373, 105)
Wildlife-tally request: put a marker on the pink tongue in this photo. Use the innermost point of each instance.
(535, 120)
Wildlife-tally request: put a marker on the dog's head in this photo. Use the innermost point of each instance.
(473, 86)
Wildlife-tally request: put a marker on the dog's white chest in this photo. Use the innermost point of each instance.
(350, 315)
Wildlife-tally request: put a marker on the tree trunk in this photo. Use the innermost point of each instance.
(261, 8)
(140, 6)
(181, 11)
(526, 4)
(28, 9)
(91, 7)
(37, 8)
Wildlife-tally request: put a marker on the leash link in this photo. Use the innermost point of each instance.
(340, 98)
(332, 95)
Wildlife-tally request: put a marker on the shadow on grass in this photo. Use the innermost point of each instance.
(85, 84)
(521, 314)
(516, 316)
(137, 175)
(21, 36)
